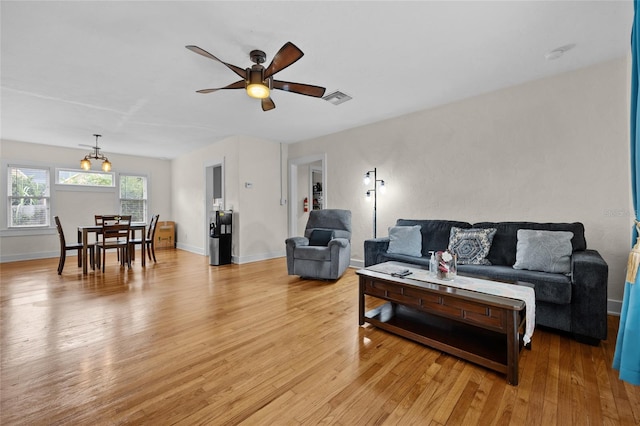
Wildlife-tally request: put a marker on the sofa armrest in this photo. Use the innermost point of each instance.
(291, 244)
(373, 248)
(589, 295)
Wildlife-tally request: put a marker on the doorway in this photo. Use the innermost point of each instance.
(300, 187)
(316, 188)
(214, 195)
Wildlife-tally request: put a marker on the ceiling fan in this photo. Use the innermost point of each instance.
(258, 80)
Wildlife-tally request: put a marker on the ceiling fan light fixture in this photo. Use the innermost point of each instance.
(258, 81)
(258, 90)
(256, 87)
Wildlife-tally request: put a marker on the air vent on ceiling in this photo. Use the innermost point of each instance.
(337, 97)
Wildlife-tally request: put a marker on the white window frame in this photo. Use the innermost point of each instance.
(86, 172)
(9, 197)
(146, 195)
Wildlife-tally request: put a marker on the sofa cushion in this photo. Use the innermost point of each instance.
(312, 253)
(424, 261)
(503, 248)
(405, 240)
(435, 233)
(546, 251)
(472, 245)
(552, 288)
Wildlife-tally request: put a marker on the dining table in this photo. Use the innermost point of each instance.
(83, 237)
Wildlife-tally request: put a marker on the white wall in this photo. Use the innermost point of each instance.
(75, 207)
(260, 222)
(551, 150)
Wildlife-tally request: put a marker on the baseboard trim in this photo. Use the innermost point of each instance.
(614, 307)
(356, 263)
(189, 248)
(258, 257)
(32, 256)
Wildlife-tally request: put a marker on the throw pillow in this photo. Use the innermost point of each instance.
(405, 240)
(471, 246)
(320, 237)
(546, 251)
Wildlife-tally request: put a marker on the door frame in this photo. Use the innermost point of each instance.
(294, 163)
(209, 165)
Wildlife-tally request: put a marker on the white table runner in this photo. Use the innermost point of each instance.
(526, 294)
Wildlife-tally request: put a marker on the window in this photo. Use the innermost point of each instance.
(84, 178)
(29, 193)
(133, 197)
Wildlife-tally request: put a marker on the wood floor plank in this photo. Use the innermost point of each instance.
(551, 391)
(183, 342)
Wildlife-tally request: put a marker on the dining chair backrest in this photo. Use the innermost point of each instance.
(60, 233)
(112, 218)
(116, 231)
(151, 232)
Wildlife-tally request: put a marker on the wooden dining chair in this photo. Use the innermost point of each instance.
(64, 247)
(151, 239)
(147, 240)
(110, 219)
(115, 235)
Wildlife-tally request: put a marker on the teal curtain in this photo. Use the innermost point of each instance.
(627, 355)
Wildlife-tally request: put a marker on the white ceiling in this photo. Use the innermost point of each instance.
(74, 68)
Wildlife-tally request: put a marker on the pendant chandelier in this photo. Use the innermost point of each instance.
(85, 163)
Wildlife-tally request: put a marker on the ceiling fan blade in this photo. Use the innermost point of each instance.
(287, 55)
(303, 89)
(267, 104)
(241, 72)
(237, 85)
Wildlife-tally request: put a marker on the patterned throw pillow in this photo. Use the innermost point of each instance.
(471, 246)
(545, 251)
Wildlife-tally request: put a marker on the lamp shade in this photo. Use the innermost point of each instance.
(257, 90)
(85, 164)
(367, 179)
(106, 165)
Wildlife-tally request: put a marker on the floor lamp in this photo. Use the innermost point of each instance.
(378, 184)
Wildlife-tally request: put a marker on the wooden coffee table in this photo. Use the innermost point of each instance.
(478, 327)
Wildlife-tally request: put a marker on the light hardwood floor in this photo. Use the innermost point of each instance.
(182, 342)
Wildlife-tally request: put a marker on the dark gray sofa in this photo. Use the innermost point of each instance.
(575, 303)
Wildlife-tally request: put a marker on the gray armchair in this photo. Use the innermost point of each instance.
(325, 250)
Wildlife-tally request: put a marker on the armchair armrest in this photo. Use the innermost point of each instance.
(296, 241)
(291, 244)
(340, 242)
(373, 248)
(589, 295)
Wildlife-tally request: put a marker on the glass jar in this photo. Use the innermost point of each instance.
(447, 265)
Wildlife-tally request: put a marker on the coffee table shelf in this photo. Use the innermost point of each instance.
(477, 327)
